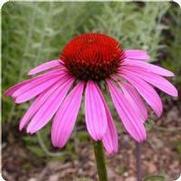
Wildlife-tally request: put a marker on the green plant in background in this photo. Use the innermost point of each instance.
(135, 25)
(33, 32)
(173, 48)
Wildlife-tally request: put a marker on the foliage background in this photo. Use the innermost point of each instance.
(33, 33)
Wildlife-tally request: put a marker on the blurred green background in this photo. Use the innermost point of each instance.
(33, 33)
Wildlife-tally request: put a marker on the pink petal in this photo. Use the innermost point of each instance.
(137, 54)
(36, 105)
(156, 80)
(131, 121)
(110, 138)
(12, 89)
(17, 87)
(95, 113)
(135, 100)
(30, 94)
(45, 66)
(49, 108)
(36, 82)
(147, 67)
(146, 91)
(33, 108)
(65, 118)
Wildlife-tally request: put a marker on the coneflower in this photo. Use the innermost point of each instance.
(85, 61)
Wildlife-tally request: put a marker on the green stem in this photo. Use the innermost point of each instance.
(101, 166)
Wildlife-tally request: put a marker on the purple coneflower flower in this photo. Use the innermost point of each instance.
(87, 60)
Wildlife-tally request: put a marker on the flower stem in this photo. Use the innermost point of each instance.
(101, 166)
(138, 161)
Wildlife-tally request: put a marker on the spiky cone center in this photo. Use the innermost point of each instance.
(92, 56)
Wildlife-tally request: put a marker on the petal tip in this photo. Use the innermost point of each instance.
(57, 144)
(30, 73)
(30, 129)
(6, 93)
(172, 74)
(142, 137)
(96, 137)
(17, 101)
(175, 94)
(20, 127)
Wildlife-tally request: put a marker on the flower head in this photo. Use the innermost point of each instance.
(92, 56)
(59, 85)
